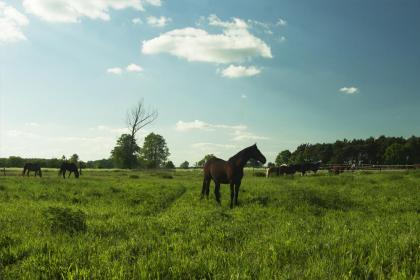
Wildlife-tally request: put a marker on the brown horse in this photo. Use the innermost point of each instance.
(228, 172)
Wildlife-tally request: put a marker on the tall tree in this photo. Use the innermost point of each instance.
(125, 153)
(283, 157)
(154, 151)
(204, 160)
(137, 118)
(184, 165)
(74, 158)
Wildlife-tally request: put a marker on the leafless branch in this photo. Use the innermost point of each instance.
(139, 117)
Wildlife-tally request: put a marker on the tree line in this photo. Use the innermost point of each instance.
(381, 150)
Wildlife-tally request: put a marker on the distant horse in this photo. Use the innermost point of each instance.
(308, 166)
(272, 170)
(32, 167)
(337, 169)
(68, 166)
(228, 172)
(288, 169)
(281, 170)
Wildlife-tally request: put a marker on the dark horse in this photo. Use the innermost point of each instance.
(228, 172)
(32, 167)
(70, 166)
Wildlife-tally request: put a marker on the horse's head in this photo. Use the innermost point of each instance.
(255, 153)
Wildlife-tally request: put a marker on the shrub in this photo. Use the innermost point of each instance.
(65, 220)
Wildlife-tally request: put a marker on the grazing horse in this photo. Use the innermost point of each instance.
(337, 169)
(308, 166)
(70, 166)
(228, 172)
(32, 167)
(282, 170)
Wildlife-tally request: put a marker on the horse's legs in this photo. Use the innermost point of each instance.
(208, 188)
(232, 194)
(204, 189)
(217, 191)
(237, 186)
(64, 174)
(69, 174)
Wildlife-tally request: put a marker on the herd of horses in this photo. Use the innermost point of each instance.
(65, 166)
(291, 169)
(220, 171)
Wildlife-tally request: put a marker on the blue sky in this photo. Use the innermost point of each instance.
(222, 74)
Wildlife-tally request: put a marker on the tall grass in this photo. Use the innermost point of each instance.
(153, 225)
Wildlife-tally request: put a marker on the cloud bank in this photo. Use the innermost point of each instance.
(73, 10)
(11, 23)
(234, 44)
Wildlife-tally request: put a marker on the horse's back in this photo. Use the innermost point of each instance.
(218, 170)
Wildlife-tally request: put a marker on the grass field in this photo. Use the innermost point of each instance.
(138, 225)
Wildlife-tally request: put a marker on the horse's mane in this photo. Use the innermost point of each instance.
(240, 153)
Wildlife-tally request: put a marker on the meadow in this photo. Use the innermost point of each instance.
(151, 224)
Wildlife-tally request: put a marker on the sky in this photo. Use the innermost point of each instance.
(222, 75)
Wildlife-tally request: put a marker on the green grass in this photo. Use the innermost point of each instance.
(139, 225)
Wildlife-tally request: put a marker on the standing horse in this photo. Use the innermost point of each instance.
(272, 170)
(32, 167)
(70, 166)
(228, 172)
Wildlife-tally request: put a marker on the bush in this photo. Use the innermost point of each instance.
(65, 220)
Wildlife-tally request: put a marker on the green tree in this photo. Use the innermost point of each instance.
(137, 118)
(204, 160)
(125, 153)
(396, 154)
(169, 165)
(154, 151)
(283, 157)
(184, 165)
(74, 158)
(15, 162)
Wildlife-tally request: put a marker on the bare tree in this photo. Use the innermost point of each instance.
(137, 118)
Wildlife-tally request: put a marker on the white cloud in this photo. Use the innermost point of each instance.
(134, 68)
(22, 134)
(240, 71)
(200, 125)
(282, 39)
(210, 146)
(237, 132)
(349, 90)
(266, 27)
(244, 96)
(281, 22)
(154, 2)
(112, 130)
(235, 44)
(137, 21)
(11, 22)
(158, 22)
(244, 135)
(74, 10)
(32, 124)
(115, 70)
